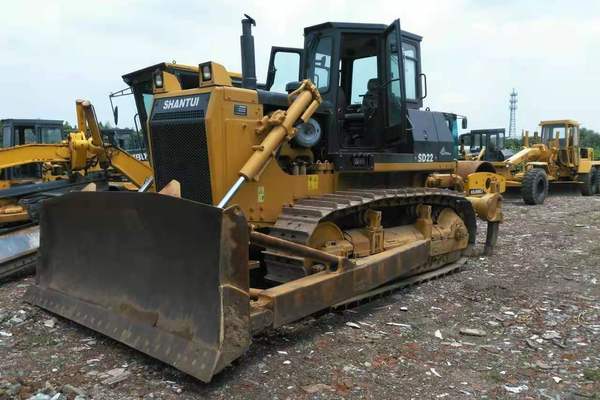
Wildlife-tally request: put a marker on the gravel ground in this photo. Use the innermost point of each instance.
(522, 324)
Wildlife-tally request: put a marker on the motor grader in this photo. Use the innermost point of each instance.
(556, 157)
(270, 207)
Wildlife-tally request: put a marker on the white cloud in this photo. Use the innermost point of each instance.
(474, 52)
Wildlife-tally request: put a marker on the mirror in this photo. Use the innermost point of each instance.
(116, 115)
(464, 123)
(321, 62)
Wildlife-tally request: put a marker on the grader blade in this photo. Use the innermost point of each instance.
(164, 275)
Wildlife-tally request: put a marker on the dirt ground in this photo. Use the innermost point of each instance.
(533, 310)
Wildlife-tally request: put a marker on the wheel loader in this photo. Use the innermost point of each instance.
(271, 205)
(554, 157)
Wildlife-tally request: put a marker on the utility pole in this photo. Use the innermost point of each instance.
(512, 125)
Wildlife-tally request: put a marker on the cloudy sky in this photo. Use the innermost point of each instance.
(474, 52)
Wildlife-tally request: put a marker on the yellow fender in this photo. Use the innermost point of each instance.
(481, 183)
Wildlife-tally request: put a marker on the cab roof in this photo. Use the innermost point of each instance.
(560, 122)
(30, 121)
(350, 26)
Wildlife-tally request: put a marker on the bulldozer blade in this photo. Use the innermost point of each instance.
(164, 275)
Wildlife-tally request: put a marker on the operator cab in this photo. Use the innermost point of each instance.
(357, 70)
(17, 132)
(565, 133)
(372, 97)
(493, 140)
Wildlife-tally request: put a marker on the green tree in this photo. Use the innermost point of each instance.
(513, 144)
(590, 138)
(67, 128)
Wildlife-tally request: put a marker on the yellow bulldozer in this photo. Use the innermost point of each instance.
(555, 156)
(271, 205)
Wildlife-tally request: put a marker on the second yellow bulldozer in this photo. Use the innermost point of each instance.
(272, 205)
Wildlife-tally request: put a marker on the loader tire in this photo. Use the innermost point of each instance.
(587, 183)
(596, 180)
(535, 186)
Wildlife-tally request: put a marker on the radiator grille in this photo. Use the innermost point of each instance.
(180, 151)
(195, 114)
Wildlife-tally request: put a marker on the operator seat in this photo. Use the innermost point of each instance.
(370, 99)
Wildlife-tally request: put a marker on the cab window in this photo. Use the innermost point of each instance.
(322, 64)
(574, 130)
(148, 100)
(492, 141)
(476, 141)
(551, 132)
(286, 69)
(409, 52)
(6, 136)
(501, 140)
(363, 70)
(51, 135)
(29, 136)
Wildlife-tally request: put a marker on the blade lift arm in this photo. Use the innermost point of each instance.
(279, 128)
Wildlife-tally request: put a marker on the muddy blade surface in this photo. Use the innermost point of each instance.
(163, 275)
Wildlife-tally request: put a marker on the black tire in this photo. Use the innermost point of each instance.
(596, 180)
(587, 183)
(534, 187)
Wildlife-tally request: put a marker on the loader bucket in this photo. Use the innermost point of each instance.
(164, 275)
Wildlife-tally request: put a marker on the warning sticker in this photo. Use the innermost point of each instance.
(261, 194)
(313, 182)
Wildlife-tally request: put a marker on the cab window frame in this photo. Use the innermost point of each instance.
(415, 61)
(313, 67)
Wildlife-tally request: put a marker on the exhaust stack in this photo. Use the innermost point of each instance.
(247, 45)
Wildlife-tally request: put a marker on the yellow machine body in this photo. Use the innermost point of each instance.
(252, 228)
(82, 152)
(555, 156)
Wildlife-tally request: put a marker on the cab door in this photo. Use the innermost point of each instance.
(394, 91)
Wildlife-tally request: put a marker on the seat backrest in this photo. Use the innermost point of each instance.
(370, 103)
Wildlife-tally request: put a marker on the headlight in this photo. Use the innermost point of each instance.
(206, 72)
(158, 80)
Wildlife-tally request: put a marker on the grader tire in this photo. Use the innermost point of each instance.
(534, 186)
(587, 183)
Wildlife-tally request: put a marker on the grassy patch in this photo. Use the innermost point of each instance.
(591, 374)
(495, 376)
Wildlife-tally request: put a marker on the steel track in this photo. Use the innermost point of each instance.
(298, 221)
(18, 267)
(17, 259)
(410, 281)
